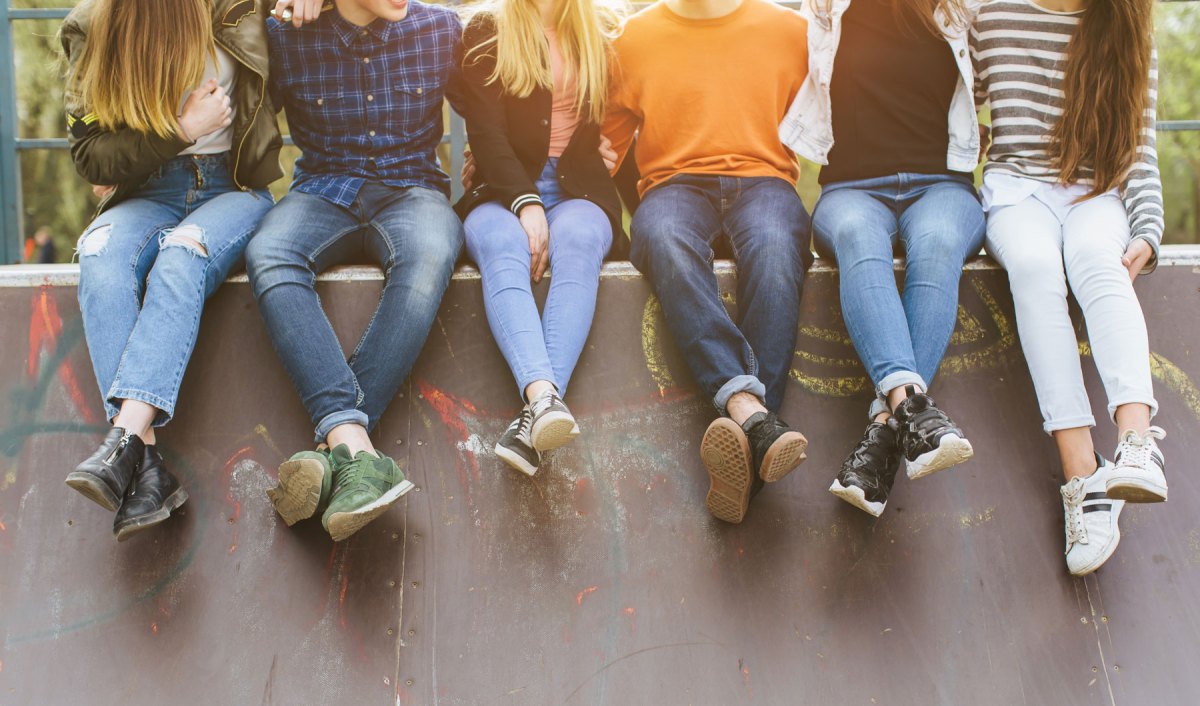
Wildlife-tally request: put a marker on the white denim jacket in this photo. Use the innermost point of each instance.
(808, 126)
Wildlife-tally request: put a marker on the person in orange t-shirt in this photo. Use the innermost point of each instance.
(705, 84)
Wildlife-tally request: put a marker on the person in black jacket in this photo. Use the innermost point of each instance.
(536, 80)
(181, 150)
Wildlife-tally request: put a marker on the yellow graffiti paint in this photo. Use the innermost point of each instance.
(1177, 381)
(652, 351)
(993, 355)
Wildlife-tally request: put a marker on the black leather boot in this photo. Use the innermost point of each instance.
(105, 475)
(152, 496)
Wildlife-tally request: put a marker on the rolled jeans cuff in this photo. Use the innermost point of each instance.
(1052, 425)
(350, 416)
(1121, 401)
(741, 383)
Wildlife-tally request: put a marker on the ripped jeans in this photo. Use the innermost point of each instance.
(146, 267)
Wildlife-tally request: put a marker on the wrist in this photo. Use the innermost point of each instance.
(183, 130)
(524, 200)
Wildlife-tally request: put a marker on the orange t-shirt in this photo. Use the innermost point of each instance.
(707, 96)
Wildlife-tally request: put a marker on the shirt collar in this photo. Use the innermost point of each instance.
(380, 29)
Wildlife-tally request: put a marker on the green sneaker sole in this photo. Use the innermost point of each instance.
(298, 492)
(343, 524)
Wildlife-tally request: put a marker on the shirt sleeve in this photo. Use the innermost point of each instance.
(455, 88)
(1142, 189)
(621, 119)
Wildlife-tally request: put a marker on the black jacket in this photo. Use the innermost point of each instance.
(125, 158)
(510, 138)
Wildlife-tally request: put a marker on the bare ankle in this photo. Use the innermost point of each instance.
(743, 405)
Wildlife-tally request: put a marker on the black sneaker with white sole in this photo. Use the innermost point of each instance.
(552, 426)
(775, 448)
(929, 440)
(516, 448)
(867, 474)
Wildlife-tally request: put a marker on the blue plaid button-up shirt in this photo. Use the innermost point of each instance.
(365, 103)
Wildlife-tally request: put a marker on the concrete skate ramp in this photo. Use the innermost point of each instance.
(603, 580)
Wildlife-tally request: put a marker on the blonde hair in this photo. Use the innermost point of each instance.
(141, 57)
(585, 29)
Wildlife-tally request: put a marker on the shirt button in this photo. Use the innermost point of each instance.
(370, 97)
(320, 101)
(366, 59)
(371, 133)
(962, 52)
(545, 122)
(420, 90)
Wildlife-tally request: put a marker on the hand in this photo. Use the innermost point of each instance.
(301, 11)
(985, 132)
(607, 153)
(468, 169)
(1136, 257)
(206, 111)
(101, 192)
(533, 220)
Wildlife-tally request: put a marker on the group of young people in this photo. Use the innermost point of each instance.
(712, 100)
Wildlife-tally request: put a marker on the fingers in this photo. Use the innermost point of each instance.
(543, 261)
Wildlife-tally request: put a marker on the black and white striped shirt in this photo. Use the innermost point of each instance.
(1020, 50)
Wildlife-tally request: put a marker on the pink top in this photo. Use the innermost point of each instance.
(563, 117)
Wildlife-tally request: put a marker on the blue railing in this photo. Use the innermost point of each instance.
(11, 145)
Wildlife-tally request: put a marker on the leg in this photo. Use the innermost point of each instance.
(499, 246)
(282, 260)
(115, 254)
(940, 230)
(416, 238)
(769, 230)
(194, 259)
(860, 231)
(1096, 234)
(672, 232)
(1026, 239)
(580, 236)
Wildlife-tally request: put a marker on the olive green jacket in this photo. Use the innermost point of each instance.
(126, 158)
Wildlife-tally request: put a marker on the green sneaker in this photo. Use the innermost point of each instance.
(304, 482)
(366, 485)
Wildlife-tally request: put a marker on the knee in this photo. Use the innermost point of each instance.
(270, 262)
(941, 247)
(190, 237)
(1035, 274)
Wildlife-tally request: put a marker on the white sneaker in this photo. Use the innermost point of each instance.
(1091, 520)
(1138, 476)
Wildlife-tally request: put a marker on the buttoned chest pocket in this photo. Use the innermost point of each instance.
(415, 103)
(324, 111)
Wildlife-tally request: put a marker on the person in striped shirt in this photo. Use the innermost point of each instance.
(1073, 198)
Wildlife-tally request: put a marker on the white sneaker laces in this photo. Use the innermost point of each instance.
(1073, 494)
(1135, 450)
(542, 403)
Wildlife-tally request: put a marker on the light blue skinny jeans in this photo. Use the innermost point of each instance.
(546, 346)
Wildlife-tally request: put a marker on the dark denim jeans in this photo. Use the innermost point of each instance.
(672, 236)
(412, 234)
(142, 293)
(938, 220)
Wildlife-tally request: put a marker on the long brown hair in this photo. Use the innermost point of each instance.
(141, 57)
(1106, 84)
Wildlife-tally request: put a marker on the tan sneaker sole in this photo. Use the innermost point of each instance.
(726, 454)
(298, 492)
(783, 456)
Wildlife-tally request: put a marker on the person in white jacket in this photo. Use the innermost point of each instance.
(895, 128)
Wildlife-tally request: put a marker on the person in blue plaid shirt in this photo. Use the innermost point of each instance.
(362, 85)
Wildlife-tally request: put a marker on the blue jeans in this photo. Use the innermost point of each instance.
(546, 347)
(147, 265)
(412, 234)
(672, 236)
(939, 222)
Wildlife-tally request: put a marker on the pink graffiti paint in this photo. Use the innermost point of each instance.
(45, 327)
(579, 596)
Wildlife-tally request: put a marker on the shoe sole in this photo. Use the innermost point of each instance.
(94, 489)
(1135, 490)
(726, 454)
(514, 459)
(856, 497)
(783, 456)
(951, 451)
(344, 524)
(1108, 552)
(298, 492)
(552, 431)
(132, 526)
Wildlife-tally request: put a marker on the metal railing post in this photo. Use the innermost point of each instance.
(10, 177)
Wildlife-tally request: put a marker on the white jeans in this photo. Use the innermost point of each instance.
(1044, 247)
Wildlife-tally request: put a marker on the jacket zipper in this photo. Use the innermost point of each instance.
(237, 156)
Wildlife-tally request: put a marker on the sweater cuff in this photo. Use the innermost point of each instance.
(524, 200)
(1154, 245)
